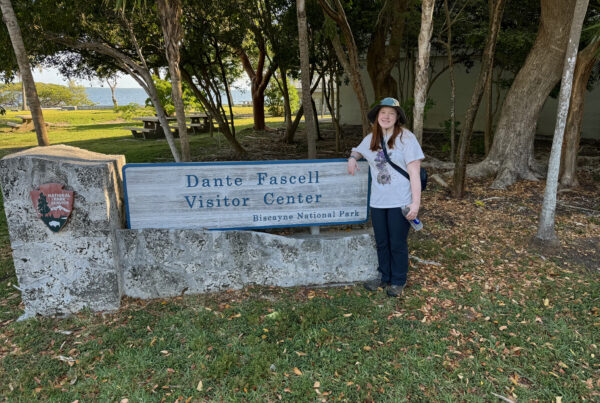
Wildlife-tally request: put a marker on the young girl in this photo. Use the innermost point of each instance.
(390, 190)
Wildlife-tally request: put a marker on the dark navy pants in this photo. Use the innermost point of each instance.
(391, 233)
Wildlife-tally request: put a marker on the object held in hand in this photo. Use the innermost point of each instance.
(416, 223)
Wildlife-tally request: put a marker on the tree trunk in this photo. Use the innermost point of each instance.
(316, 118)
(511, 154)
(422, 66)
(546, 231)
(225, 83)
(12, 25)
(113, 87)
(258, 109)
(330, 100)
(259, 79)
(488, 93)
(161, 114)
(309, 117)
(309, 120)
(489, 114)
(169, 14)
(24, 106)
(287, 110)
(385, 48)
(223, 126)
(349, 61)
(289, 138)
(458, 185)
(452, 84)
(586, 59)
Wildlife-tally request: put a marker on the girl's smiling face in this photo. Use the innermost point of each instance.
(387, 117)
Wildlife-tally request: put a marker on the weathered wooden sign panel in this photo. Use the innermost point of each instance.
(245, 195)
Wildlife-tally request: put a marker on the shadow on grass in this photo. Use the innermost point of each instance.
(103, 126)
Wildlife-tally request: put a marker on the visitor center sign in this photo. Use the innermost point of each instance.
(245, 194)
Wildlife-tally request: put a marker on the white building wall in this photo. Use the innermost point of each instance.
(465, 83)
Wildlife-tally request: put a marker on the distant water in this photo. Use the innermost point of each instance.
(102, 96)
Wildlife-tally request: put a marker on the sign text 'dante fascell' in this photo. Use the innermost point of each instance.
(262, 179)
(244, 195)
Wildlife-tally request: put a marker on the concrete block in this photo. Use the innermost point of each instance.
(161, 263)
(60, 273)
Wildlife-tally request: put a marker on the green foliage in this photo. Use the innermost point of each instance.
(128, 111)
(50, 95)
(163, 87)
(10, 94)
(274, 98)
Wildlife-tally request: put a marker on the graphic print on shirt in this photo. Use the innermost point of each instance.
(383, 175)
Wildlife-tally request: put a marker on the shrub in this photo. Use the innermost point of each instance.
(163, 87)
(274, 98)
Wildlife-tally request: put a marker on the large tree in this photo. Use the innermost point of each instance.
(349, 56)
(250, 20)
(210, 63)
(587, 58)
(14, 31)
(484, 76)
(511, 156)
(306, 78)
(279, 22)
(102, 35)
(422, 66)
(384, 51)
(169, 14)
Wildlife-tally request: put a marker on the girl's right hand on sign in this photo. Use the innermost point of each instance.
(352, 166)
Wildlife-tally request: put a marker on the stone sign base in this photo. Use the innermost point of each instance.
(165, 263)
(61, 273)
(93, 261)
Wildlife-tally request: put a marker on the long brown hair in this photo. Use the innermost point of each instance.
(378, 134)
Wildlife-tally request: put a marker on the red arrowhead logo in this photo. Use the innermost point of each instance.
(53, 204)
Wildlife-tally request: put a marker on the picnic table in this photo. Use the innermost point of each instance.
(152, 129)
(25, 125)
(200, 122)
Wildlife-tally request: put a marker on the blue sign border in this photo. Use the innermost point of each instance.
(270, 162)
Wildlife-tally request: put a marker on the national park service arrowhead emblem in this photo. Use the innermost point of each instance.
(53, 204)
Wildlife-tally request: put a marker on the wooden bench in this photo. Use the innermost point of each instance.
(196, 127)
(23, 127)
(192, 128)
(138, 132)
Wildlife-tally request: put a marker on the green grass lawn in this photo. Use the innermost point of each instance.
(103, 131)
(486, 317)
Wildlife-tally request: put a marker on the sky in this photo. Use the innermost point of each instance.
(52, 76)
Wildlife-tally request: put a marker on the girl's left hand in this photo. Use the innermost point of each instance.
(414, 211)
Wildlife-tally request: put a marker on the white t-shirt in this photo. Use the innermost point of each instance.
(389, 188)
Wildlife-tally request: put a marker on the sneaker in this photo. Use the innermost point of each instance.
(374, 285)
(395, 290)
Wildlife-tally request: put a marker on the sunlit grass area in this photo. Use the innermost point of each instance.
(104, 131)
